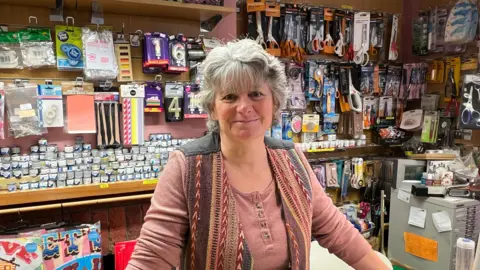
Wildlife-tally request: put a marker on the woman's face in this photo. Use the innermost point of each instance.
(244, 115)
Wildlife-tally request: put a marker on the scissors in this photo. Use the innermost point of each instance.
(328, 45)
(316, 45)
(469, 112)
(393, 52)
(373, 41)
(300, 54)
(288, 46)
(354, 99)
(362, 58)
(260, 40)
(340, 46)
(271, 42)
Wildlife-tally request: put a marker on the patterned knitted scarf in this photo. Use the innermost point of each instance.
(216, 238)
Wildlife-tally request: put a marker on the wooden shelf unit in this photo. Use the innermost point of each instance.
(151, 8)
(8, 199)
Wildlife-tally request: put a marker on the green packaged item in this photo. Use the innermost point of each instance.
(10, 54)
(37, 47)
(69, 47)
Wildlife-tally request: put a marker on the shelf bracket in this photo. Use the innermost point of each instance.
(210, 24)
(56, 14)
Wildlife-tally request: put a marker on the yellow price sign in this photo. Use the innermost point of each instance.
(150, 182)
(103, 185)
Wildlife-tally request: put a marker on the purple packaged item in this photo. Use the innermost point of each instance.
(155, 50)
(153, 97)
(178, 54)
(191, 105)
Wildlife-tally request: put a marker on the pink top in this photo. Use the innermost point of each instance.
(166, 226)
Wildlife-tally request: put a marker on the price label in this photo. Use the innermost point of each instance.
(103, 185)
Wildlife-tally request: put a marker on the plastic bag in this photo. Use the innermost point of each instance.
(2, 111)
(10, 54)
(22, 110)
(99, 55)
(37, 48)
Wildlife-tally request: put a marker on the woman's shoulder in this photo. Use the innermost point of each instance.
(201, 146)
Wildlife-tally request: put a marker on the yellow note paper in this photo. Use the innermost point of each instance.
(420, 246)
(103, 185)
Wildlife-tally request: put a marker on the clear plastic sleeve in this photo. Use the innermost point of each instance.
(37, 48)
(10, 53)
(99, 55)
(22, 110)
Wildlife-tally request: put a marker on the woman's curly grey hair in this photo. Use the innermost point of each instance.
(240, 66)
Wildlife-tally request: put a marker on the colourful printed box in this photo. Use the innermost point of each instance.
(21, 254)
(74, 249)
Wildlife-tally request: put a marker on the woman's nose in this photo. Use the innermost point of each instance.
(244, 104)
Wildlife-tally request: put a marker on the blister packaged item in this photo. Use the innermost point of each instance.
(22, 109)
(107, 114)
(328, 100)
(10, 53)
(436, 29)
(370, 112)
(430, 126)
(287, 132)
(69, 46)
(177, 61)
(191, 102)
(366, 84)
(174, 94)
(99, 55)
(153, 97)
(50, 105)
(462, 23)
(37, 47)
(470, 108)
(295, 83)
(420, 34)
(155, 50)
(394, 78)
(2, 111)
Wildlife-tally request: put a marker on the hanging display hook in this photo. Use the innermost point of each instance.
(158, 78)
(34, 19)
(68, 25)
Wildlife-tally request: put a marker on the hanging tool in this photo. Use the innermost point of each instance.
(469, 112)
(354, 98)
(299, 51)
(340, 46)
(373, 40)
(272, 46)
(318, 76)
(451, 91)
(362, 57)
(288, 45)
(393, 51)
(260, 38)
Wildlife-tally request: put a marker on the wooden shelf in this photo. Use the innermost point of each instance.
(67, 193)
(151, 8)
(433, 156)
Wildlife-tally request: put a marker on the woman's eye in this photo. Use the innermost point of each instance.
(256, 94)
(229, 97)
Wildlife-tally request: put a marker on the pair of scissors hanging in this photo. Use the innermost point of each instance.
(260, 38)
(469, 113)
(362, 58)
(373, 40)
(354, 98)
(316, 44)
(272, 44)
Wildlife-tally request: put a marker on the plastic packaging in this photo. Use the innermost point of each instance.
(2, 111)
(465, 254)
(99, 55)
(462, 23)
(23, 110)
(37, 47)
(69, 46)
(10, 53)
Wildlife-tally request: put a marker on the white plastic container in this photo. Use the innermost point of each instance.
(465, 255)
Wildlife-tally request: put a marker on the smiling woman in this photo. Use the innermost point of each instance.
(235, 199)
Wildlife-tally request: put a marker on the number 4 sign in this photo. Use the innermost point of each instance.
(174, 102)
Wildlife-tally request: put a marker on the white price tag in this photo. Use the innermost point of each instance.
(403, 196)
